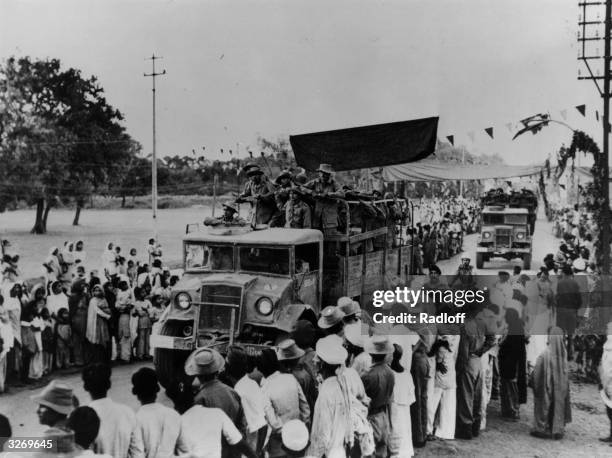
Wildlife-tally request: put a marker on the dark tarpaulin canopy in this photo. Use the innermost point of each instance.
(368, 146)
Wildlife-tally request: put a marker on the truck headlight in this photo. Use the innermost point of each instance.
(486, 235)
(264, 306)
(183, 301)
(520, 236)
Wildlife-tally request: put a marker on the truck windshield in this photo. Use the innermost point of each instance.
(493, 218)
(516, 219)
(269, 260)
(207, 257)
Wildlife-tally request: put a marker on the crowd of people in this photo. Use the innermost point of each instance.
(438, 234)
(79, 313)
(341, 388)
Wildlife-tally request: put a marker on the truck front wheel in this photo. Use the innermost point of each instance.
(169, 363)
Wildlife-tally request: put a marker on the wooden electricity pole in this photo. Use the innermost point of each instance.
(153, 58)
(602, 161)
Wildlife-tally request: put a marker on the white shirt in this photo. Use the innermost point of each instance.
(202, 429)
(88, 453)
(160, 427)
(253, 402)
(118, 435)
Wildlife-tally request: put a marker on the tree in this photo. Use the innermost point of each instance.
(58, 135)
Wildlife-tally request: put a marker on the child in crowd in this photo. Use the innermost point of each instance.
(142, 310)
(48, 340)
(63, 344)
(124, 306)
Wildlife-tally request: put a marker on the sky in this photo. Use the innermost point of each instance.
(238, 69)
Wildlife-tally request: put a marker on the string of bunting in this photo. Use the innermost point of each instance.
(490, 131)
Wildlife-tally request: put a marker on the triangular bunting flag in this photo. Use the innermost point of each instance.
(489, 130)
(581, 109)
(564, 114)
(471, 135)
(509, 126)
(597, 115)
(451, 139)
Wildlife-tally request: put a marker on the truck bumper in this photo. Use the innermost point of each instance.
(172, 343)
(493, 252)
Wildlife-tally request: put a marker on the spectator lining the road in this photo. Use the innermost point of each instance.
(85, 423)
(118, 434)
(551, 405)
(158, 425)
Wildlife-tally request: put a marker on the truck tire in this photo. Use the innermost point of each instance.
(479, 260)
(169, 363)
(527, 261)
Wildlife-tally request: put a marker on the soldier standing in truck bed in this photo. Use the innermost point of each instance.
(260, 193)
(297, 213)
(283, 184)
(325, 190)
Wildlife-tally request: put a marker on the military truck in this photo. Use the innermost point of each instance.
(505, 232)
(251, 286)
(524, 198)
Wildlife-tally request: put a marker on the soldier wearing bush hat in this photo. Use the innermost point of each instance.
(259, 191)
(325, 189)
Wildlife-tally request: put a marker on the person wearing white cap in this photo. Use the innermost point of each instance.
(295, 439)
(332, 432)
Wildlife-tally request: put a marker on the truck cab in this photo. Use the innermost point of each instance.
(505, 232)
(239, 285)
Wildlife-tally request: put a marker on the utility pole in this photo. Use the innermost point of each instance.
(604, 166)
(153, 58)
(462, 164)
(602, 161)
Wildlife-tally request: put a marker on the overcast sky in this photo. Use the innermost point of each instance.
(237, 69)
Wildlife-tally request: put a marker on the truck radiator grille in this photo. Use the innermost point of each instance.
(218, 301)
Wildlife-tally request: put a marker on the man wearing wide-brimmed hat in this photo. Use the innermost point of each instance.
(325, 190)
(297, 213)
(285, 395)
(260, 193)
(289, 355)
(379, 383)
(230, 217)
(331, 322)
(355, 338)
(350, 308)
(205, 364)
(55, 402)
(283, 184)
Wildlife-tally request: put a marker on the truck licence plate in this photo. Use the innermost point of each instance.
(182, 344)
